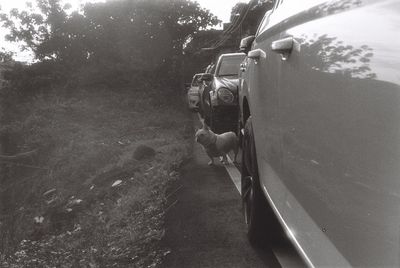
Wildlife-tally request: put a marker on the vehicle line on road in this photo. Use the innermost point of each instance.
(234, 174)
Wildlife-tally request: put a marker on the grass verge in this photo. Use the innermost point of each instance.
(87, 197)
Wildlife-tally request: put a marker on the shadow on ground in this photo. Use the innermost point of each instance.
(204, 223)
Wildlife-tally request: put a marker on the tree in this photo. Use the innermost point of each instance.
(39, 32)
(6, 56)
(142, 33)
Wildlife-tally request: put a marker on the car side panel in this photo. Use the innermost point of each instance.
(263, 91)
(339, 95)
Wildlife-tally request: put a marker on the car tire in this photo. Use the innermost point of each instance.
(239, 132)
(213, 123)
(203, 108)
(219, 123)
(216, 123)
(200, 111)
(207, 120)
(262, 225)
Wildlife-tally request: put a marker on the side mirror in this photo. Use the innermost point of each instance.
(245, 44)
(207, 77)
(187, 86)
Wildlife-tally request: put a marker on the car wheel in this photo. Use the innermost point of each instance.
(200, 111)
(220, 122)
(239, 132)
(203, 104)
(261, 222)
(207, 111)
(207, 120)
(213, 123)
(216, 124)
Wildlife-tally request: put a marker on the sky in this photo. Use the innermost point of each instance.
(220, 8)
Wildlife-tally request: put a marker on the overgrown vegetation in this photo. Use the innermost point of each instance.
(60, 208)
(91, 134)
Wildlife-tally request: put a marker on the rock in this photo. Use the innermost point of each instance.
(143, 152)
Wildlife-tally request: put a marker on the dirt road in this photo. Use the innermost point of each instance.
(205, 227)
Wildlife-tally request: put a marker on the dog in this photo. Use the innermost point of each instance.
(217, 145)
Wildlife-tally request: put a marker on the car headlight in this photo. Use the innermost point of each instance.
(225, 95)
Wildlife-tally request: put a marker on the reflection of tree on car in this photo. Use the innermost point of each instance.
(218, 95)
(333, 56)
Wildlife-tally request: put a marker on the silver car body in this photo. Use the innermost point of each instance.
(326, 121)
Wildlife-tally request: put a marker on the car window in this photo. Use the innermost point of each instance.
(264, 22)
(210, 68)
(290, 7)
(229, 66)
(278, 2)
(196, 81)
(284, 9)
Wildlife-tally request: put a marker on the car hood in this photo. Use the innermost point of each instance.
(230, 83)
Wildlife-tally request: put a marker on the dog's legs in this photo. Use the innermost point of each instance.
(211, 160)
(224, 159)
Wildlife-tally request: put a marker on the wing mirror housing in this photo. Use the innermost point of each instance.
(245, 44)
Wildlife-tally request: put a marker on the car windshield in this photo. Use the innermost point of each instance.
(196, 81)
(229, 66)
(210, 68)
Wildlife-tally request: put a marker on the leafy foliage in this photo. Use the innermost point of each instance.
(5, 56)
(138, 33)
(113, 43)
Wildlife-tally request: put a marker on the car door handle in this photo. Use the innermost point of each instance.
(283, 46)
(255, 54)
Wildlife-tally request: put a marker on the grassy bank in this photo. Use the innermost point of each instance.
(91, 192)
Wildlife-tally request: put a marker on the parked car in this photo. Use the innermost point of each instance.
(320, 110)
(210, 68)
(207, 79)
(193, 92)
(218, 95)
